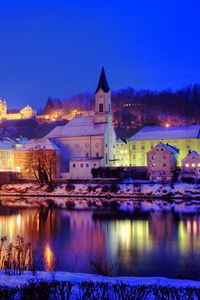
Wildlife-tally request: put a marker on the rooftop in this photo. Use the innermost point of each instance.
(167, 133)
(103, 83)
(79, 126)
(38, 144)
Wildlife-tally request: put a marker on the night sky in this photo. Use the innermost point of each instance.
(57, 48)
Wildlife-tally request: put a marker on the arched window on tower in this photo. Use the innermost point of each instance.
(100, 107)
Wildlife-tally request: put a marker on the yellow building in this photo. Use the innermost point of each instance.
(121, 153)
(184, 138)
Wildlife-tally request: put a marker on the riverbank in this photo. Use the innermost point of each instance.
(63, 285)
(122, 190)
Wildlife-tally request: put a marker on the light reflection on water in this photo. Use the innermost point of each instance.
(154, 245)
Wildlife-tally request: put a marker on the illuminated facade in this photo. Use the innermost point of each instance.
(184, 138)
(121, 153)
(161, 162)
(26, 113)
(35, 150)
(191, 166)
(87, 141)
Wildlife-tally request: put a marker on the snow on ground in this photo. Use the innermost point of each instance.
(179, 197)
(17, 280)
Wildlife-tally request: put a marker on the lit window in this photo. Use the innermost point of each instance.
(121, 151)
(193, 165)
(187, 165)
(125, 151)
(198, 165)
(153, 165)
(153, 157)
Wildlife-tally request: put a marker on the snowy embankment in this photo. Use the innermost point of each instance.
(180, 197)
(63, 285)
(137, 190)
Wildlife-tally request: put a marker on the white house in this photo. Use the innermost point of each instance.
(191, 166)
(87, 141)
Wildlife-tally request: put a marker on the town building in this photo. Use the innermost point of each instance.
(26, 113)
(37, 153)
(7, 147)
(121, 153)
(162, 162)
(191, 167)
(87, 142)
(184, 138)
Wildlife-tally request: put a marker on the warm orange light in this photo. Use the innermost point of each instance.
(49, 257)
(167, 125)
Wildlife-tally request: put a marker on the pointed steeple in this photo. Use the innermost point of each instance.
(103, 84)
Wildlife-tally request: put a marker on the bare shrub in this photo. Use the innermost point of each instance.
(70, 187)
(102, 266)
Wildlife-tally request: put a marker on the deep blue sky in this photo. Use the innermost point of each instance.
(57, 47)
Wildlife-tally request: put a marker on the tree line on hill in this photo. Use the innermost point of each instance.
(133, 109)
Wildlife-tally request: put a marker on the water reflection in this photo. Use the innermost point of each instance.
(155, 245)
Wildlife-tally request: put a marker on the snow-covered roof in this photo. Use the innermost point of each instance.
(192, 153)
(119, 140)
(38, 144)
(6, 145)
(79, 126)
(167, 133)
(169, 148)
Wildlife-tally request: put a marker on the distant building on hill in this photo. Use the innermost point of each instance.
(26, 113)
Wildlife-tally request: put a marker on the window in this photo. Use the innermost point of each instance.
(153, 157)
(164, 157)
(161, 149)
(97, 154)
(187, 165)
(121, 151)
(94, 165)
(164, 165)
(133, 147)
(153, 165)
(87, 154)
(193, 165)
(100, 107)
(81, 165)
(74, 165)
(87, 165)
(198, 164)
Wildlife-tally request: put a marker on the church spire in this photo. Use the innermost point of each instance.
(103, 84)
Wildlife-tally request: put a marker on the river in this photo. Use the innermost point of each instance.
(139, 244)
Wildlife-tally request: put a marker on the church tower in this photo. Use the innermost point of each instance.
(103, 111)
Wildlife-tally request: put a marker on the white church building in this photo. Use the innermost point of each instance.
(87, 142)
